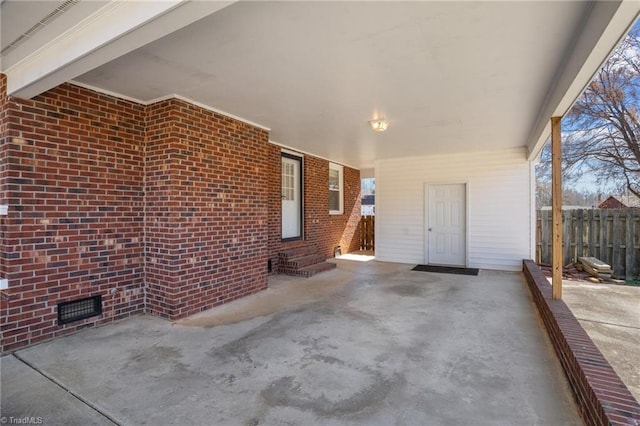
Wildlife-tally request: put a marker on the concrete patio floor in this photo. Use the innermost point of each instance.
(610, 314)
(368, 343)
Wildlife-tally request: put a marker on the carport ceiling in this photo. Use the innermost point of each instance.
(448, 76)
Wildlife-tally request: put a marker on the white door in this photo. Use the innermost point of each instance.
(446, 219)
(291, 191)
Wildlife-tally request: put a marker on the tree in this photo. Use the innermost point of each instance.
(602, 130)
(570, 196)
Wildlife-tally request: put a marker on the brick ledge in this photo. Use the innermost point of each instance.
(602, 397)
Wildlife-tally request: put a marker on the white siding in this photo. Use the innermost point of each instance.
(498, 194)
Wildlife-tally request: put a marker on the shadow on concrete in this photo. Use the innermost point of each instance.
(368, 343)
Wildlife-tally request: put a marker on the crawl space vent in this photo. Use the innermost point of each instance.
(79, 309)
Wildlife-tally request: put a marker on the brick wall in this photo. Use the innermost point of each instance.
(207, 210)
(168, 209)
(160, 247)
(320, 228)
(74, 167)
(274, 199)
(602, 397)
(73, 177)
(4, 117)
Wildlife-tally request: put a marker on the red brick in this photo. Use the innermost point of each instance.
(51, 165)
(108, 194)
(323, 230)
(601, 396)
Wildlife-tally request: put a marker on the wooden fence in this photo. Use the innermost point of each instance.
(611, 235)
(367, 232)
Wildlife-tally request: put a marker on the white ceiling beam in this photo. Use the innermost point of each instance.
(602, 30)
(118, 28)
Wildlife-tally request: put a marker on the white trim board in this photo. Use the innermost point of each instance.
(164, 98)
(299, 152)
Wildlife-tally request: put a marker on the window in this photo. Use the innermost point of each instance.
(335, 189)
(288, 181)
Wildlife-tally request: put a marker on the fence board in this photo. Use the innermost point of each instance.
(617, 250)
(545, 227)
(604, 243)
(367, 232)
(579, 251)
(630, 257)
(591, 226)
(611, 235)
(567, 236)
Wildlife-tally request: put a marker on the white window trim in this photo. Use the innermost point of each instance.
(340, 169)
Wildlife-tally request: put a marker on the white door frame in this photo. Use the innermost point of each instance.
(300, 159)
(426, 218)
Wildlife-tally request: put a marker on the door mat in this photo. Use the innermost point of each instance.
(446, 270)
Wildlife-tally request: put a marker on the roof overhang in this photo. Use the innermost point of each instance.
(605, 24)
(105, 33)
(449, 76)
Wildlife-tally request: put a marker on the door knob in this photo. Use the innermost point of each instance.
(429, 229)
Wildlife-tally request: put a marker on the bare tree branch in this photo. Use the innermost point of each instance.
(602, 131)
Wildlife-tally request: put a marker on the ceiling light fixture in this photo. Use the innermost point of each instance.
(379, 125)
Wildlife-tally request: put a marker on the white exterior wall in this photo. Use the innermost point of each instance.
(498, 206)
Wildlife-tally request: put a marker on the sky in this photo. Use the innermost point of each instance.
(588, 181)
